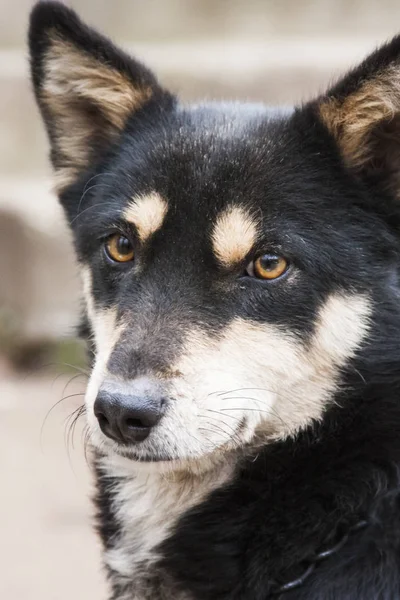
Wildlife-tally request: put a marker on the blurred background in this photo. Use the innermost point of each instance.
(277, 51)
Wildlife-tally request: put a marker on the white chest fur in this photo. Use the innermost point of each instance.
(147, 504)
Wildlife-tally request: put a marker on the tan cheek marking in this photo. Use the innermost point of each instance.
(342, 326)
(343, 323)
(147, 214)
(106, 330)
(351, 120)
(234, 235)
(290, 384)
(252, 363)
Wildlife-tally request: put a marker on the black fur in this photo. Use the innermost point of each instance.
(340, 230)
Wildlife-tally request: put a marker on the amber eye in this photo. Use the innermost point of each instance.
(119, 248)
(269, 266)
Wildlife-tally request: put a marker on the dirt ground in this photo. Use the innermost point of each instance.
(48, 550)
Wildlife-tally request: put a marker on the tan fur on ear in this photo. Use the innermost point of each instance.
(87, 99)
(352, 120)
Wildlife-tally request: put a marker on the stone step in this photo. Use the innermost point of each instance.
(39, 286)
(195, 19)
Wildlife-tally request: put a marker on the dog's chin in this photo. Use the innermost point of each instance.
(146, 457)
(143, 457)
(138, 454)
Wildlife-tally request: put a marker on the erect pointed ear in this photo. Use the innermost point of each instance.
(86, 88)
(362, 112)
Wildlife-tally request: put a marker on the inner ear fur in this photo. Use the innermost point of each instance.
(362, 112)
(86, 88)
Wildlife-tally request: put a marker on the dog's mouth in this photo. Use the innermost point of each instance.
(146, 452)
(160, 447)
(132, 454)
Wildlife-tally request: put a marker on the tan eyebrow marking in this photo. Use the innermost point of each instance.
(147, 214)
(234, 235)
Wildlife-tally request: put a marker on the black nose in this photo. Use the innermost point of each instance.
(127, 418)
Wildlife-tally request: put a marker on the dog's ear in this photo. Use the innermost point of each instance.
(86, 88)
(362, 112)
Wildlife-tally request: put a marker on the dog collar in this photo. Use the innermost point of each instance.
(278, 589)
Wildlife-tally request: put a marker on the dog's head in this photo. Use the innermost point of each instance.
(232, 256)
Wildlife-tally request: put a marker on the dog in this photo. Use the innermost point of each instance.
(240, 270)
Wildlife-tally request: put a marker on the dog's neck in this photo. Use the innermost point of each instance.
(146, 500)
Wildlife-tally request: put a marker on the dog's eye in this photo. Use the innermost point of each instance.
(119, 248)
(268, 266)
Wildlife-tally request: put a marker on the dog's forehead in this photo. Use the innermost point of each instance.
(202, 170)
(218, 143)
(198, 152)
